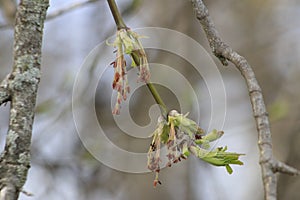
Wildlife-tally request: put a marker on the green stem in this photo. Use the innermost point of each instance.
(116, 14)
(151, 87)
(158, 99)
(121, 25)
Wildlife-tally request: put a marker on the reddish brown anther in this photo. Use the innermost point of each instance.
(198, 137)
(155, 183)
(116, 80)
(183, 156)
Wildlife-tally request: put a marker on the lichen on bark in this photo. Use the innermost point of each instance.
(20, 88)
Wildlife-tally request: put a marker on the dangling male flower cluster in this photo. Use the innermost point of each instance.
(127, 42)
(183, 136)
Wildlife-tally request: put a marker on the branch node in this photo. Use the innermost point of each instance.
(222, 59)
(261, 115)
(4, 90)
(281, 167)
(255, 91)
(29, 194)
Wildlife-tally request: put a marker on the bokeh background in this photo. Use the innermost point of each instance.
(266, 33)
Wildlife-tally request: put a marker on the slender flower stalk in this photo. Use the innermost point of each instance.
(133, 47)
(181, 135)
(116, 14)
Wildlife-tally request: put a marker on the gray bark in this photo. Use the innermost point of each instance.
(20, 88)
(269, 165)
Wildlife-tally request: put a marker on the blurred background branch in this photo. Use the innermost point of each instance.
(9, 9)
(69, 8)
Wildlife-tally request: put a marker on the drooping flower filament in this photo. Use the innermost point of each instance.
(120, 82)
(127, 42)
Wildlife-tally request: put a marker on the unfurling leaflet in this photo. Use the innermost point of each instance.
(182, 136)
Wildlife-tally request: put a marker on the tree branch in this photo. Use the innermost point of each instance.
(285, 169)
(23, 84)
(269, 164)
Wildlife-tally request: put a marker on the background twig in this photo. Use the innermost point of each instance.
(58, 12)
(68, 8)
(269, 164)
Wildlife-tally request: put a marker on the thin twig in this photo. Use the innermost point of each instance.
(58, 13)
(286, 169)
(5, 26)
(269, 164)
(68, 8)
